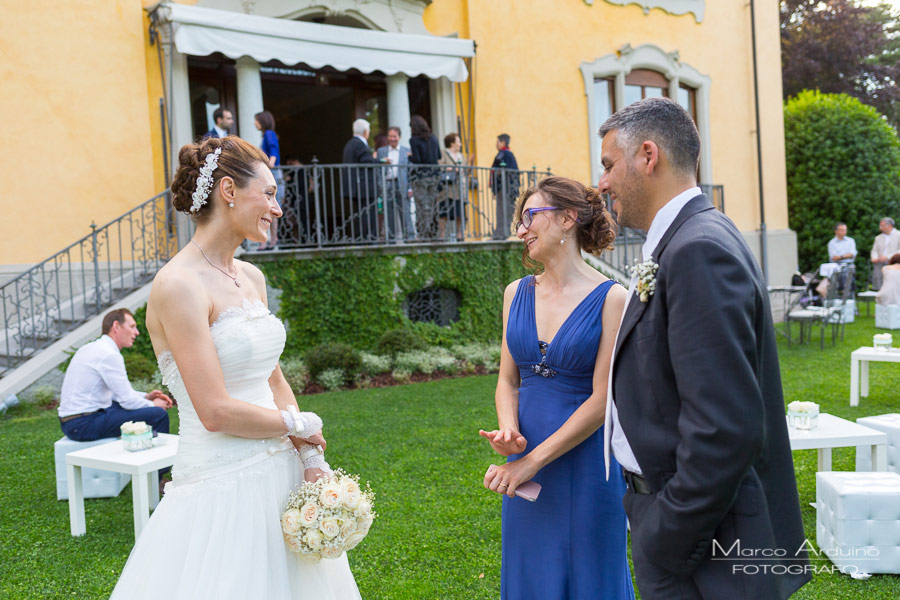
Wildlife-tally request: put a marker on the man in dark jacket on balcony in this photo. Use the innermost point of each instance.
(358, 184)
(504, 185)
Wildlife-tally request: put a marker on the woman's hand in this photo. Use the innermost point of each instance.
(314, 474)
(504, 479)
(316, 440)
(505, 441)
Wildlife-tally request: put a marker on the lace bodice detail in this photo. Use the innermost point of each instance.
(248, 340)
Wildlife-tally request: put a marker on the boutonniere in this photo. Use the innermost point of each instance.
(645, 273)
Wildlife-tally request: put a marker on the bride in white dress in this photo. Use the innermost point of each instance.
(217, 532)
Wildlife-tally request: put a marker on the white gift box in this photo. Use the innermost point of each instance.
(887, 316)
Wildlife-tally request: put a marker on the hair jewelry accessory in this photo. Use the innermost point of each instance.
(205, 181)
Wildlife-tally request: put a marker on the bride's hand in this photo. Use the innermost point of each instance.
(505, 441)
(314, 474)
(316, 440)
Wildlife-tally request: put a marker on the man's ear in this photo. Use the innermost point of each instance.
(649, 156)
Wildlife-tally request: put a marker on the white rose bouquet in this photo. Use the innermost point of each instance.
(136, 435)
(325, 518)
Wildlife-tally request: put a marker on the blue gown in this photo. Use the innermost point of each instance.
(570, 543)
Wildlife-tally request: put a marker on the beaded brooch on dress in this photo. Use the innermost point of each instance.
(543, 369)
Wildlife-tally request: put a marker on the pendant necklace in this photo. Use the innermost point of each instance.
(227, 274)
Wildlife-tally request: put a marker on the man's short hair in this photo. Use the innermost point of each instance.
(218, 114)
(888, 220)
(838, 224)
(360, 126)
(397, 129)
(114, 316)
(660, 120)
(504, 137)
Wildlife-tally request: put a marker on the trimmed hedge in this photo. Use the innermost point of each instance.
(843, 164)
(355, 299)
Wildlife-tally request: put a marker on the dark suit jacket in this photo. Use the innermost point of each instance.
(212, 133)
(698, 392)
(358, 182)
(505, 159)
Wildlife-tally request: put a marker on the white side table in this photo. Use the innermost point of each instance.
(112, 456)
(859, 369)
(835, 432)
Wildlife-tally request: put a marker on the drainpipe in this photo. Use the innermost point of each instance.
(763, 246)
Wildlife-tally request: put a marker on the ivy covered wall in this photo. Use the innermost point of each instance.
(356, 298)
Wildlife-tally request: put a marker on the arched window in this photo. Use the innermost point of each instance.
(614, 81)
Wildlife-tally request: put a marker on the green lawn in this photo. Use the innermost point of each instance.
(438, 534)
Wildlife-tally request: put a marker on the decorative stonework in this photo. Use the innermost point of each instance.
(398, 16)
(675, 7)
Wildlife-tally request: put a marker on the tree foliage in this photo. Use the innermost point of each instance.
(843, 164)
(838, 46)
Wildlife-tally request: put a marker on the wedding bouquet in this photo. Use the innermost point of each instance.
(325, 518)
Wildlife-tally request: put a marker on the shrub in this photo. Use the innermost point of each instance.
(139, 366)
(448, 365)
(394, 341)
(44, 395)
(295, 372)
(477, 354)
(332, 379)
(401, 375)
(373, 364)
(843, 164)
(418, 361)
(333, 356)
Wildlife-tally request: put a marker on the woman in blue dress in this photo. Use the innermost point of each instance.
(558, 336)
(265, 122)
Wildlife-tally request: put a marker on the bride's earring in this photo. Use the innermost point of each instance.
(231, 205)
(562, 241)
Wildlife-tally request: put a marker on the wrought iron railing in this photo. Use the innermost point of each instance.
(628, 244)
(79, 282)
(341, 205)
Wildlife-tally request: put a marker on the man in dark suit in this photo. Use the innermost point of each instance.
(358, 184)
(695, 407)
(504, 185)
(223, 120)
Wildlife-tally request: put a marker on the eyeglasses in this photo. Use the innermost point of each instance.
(528, 215)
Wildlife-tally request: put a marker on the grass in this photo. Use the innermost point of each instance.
(438, 534)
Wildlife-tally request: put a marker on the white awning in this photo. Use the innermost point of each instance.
(203, 31)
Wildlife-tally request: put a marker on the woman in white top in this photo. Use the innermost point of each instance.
(890, 286)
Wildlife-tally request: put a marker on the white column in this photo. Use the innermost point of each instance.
(398, 105)
(249, 98)
(182, 128)
(443, 107)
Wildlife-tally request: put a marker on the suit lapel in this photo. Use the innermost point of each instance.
(636, 308)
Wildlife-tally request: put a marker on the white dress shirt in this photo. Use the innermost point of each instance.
(886, 244)
(614, 437)
(221, 132)
(394, 155)
(838, 247)
(95, 377)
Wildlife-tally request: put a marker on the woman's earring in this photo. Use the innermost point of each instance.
(562, 241)
(231, 205)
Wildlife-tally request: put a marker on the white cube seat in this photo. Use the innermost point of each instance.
(848, 308)
(887, 316)
(889, 424)
(858, 520)
(97, 483)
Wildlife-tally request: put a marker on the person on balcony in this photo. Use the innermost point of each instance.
(424, 180)
(454, 186)
(504, 185)
(96, 396)
(397, 193)
(358, 183)
(223, 121)
(887, 243)
(265, 122)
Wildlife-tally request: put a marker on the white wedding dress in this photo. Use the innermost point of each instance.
(216, 533)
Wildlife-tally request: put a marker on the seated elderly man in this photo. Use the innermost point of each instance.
(96, 397)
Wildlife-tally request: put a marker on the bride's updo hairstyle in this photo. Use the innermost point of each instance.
(594, 227)
(239, 160)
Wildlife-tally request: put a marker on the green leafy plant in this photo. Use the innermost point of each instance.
(44, 396)
(333, 356)
(332, 379)
(295, 372)
(401, 375)
(374, 364)
(394, 341)
(139, 366)
(843, 164)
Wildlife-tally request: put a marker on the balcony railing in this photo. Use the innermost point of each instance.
(79, 282)
(341, 205)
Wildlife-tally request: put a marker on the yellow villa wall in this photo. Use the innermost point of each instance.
(77, 131)
(529, 83)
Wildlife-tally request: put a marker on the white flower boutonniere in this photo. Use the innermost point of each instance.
(646, 278)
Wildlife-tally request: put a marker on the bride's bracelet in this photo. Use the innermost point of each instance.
(301, 424)
(313, 458)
